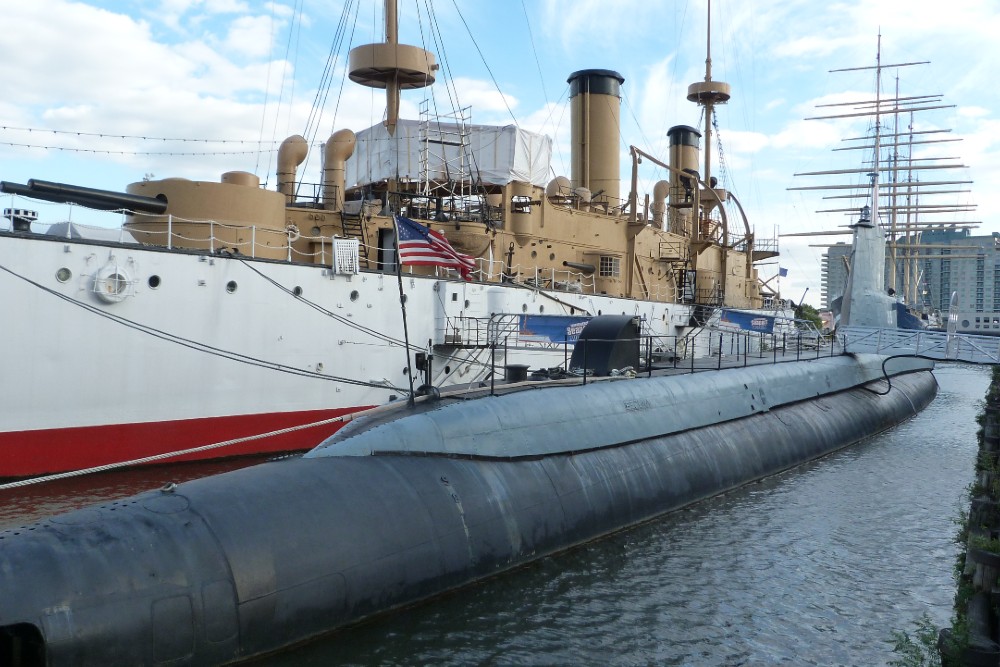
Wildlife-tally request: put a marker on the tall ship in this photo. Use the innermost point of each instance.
(901, 201)
(225, 313)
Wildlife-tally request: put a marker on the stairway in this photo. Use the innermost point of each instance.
(353, 227)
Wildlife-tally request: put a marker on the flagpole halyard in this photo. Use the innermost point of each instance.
(402, 307)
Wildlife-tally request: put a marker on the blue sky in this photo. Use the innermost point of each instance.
(78, 75)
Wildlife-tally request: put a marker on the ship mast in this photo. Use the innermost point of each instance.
(707, 94)
(392, 66)
(890, 185)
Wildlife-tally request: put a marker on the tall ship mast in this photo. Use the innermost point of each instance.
(890, 204)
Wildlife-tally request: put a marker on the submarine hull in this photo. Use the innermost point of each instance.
(237, 565)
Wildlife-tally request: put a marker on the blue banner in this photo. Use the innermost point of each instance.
(551, 328)
(748, 321)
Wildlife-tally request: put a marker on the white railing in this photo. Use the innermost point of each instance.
(933, 344)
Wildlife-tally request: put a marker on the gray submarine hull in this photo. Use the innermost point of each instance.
(248, 562)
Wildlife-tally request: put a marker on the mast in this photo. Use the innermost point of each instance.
(392, 66)
(896, 177)
(707, 94)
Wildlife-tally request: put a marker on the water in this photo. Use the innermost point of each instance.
(816, 566)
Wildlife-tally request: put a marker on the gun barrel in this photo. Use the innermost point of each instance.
(579, 266)
(105, 200)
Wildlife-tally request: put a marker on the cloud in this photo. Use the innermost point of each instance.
(251, 36)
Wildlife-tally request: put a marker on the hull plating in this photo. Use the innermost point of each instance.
(30, 453)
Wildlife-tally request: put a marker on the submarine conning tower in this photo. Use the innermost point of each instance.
(595, 106)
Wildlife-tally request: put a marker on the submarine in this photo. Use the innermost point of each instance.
(414, 501)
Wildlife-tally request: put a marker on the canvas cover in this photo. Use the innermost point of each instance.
(498, 154)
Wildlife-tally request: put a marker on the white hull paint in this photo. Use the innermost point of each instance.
(76, 360)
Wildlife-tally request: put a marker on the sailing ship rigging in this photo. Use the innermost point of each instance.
(891, 202)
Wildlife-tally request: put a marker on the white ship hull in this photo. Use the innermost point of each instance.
(197, 348)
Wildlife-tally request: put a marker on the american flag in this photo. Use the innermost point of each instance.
(422, 246)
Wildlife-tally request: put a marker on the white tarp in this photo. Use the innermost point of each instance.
(497, 155)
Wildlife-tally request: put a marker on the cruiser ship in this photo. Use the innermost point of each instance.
(224, 313)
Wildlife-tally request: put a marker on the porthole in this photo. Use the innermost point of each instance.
(63, 274)
(965, 323)
(153, 282)
(466, 303)
(354, 295)
(297, 291)
(552, 256)
(231, 286)
(315, 231)
(541, 309)
(447, 370)
(534, 254)
(524, 307)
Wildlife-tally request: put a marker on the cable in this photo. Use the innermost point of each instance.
(312, 304)
(110, 152)
(130, 136)
(200, 347)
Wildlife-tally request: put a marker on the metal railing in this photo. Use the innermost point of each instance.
(706, 350)
(969, 348)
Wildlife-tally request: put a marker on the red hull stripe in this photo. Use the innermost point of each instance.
(30, 453)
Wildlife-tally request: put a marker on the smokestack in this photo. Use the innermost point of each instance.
(684, 149)
(595, 106)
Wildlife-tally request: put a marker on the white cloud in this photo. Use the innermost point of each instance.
(251, 36)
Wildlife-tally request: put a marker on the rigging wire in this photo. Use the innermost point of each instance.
(326, 78)
(312, 304)
(267, 88)
(485, 64)
(104, 135)
(434, 28)
(343, 79)
(534, 52)
(98, 151)
(195, 345)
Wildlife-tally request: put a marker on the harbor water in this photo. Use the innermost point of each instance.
(816, 566)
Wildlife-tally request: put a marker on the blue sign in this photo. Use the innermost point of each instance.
(748, 321)
(551, 328)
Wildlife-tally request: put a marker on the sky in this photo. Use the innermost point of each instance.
(106, 92)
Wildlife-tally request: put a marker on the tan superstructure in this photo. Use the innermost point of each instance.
(674, 244)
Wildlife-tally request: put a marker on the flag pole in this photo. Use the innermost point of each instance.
(402, 307)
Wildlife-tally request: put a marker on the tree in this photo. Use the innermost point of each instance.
(806, 312)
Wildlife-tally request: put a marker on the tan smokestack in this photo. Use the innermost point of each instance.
(339, 147)
(291, 153)
(595, 107)
(684, 153)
